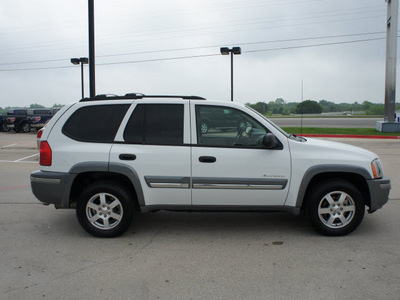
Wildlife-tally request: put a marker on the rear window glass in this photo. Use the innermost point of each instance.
(98, 123)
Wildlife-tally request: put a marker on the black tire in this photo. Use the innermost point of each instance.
(5, 128)
(25, 128)
(110, 206)
(335, 207)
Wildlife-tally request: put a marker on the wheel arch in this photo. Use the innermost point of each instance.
(89, 173)
(358, 176)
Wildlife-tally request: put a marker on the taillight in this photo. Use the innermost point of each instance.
(45, 153)
(39, 134)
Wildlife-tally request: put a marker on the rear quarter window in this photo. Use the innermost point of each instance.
(98, 123)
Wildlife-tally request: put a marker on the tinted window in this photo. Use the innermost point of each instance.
(227, 127)
(17, 112)
(157, 124)
(39, 112)
(97, 123)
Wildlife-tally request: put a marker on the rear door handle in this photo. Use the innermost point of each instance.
(126, 156)
(207, 159)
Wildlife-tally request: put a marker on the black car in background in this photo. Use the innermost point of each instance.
(3, 125)
(219, 117)
(17, 119)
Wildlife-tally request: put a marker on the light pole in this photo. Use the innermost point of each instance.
(232, 51)
(82, 61)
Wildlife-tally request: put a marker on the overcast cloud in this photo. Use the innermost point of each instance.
(336, 47)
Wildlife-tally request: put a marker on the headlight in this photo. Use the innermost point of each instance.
(377, 169)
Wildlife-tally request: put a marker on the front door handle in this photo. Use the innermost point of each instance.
(126, 156)
(207, 159)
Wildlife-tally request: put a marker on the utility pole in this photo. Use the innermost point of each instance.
(92, 81)
(388, 124)
(391, 59)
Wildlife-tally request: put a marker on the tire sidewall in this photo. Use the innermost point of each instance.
(25, 128)
(117, 191)
(325, 188)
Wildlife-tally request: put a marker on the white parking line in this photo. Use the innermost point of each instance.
(6, 146)
(18, 160)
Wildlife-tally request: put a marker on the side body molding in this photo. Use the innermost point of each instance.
(320, 169)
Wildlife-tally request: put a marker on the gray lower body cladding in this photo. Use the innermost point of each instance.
(52, 187)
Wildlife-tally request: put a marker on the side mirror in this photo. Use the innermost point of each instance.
(270, 141)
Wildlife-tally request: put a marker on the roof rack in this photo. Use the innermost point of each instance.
(131, 96)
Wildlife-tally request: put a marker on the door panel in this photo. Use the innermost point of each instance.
(164, 171)
(230, 165)
(153, 142)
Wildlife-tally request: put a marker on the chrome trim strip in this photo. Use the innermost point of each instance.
(46, 180)
(169, 185)
(236, 186)
(239, 183)
(168, 182)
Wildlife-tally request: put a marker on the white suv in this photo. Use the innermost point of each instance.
(113, 156)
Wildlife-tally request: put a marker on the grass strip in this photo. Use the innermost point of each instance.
(318, 130)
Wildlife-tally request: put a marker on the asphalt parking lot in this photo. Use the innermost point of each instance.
(46, 255)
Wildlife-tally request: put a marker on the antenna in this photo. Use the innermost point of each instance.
(302, 108)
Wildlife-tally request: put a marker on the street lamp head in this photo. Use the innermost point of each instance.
(84, 60)
(225, 50)
(75, 61)
(236, 50)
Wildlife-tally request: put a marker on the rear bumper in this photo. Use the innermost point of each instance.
(52, 187)
(379, 191)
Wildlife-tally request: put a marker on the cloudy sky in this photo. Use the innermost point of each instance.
(335, 47)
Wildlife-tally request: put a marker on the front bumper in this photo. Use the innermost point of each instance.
(379, 191)
(52, 187)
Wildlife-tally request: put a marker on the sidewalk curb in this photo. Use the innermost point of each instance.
(383, 137)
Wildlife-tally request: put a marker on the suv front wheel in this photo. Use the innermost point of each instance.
(105, 209)
(335, 207)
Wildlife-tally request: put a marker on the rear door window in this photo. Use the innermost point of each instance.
(155, 124)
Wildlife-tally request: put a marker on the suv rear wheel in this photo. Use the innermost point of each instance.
(335, 208)
(105, 209)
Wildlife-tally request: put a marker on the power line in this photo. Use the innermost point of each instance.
(191, 30)
(201, 47)
(317, 45)
(202, 56)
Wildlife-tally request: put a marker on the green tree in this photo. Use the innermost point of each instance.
(328, 106)
(261, 107)
(366, 105)
(277, 106)
(376, 109)
(309, 107)
(35, 105)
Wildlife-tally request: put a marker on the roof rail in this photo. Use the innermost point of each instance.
(131, 96)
